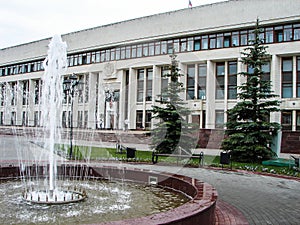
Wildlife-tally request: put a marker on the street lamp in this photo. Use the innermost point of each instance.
(69, 87)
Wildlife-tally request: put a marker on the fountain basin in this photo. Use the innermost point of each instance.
(199, 210)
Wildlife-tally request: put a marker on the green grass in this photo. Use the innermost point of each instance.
(97, 153)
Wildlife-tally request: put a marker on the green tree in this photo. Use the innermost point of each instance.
(249, 130)
(172, 134)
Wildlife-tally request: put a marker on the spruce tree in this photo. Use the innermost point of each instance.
(249, 130)
(172, 133)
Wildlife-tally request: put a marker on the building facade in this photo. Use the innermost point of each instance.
(121, 66)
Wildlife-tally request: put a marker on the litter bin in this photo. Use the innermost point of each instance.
(130, 152)
(225, 158)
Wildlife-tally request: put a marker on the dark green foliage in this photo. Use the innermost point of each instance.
(249, 132)
(172, 133)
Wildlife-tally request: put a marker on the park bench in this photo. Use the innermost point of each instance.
(130, 152)
(178, 157)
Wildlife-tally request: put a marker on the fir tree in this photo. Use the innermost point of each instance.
(172, 133)
(249, 131)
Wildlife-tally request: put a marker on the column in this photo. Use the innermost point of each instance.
(210, 96)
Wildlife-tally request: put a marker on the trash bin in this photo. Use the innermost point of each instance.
(130, 152)
(225, 158)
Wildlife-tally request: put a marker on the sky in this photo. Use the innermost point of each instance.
(23, 21)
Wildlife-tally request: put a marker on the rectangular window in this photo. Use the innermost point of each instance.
(163, 47)
(266, 76)
(139, 119)
(219, 123)
(149, 77)
(164, 80)
(286, 120)
(2, 94)
(296, 32)
(227, 40)
(287, 33)
(190, 44)
(151, 49)
(157, 48)
(298, 77)
(298, 120)
(148, 120)
(1, 118)
(235, 39)
(220, 80)
(133, 51)
(25, 92)
(269, 35)
(278, 34)
(170, 47)
(190, 82)
(220, 40)
(128, 52)
(145, 49)
(176, 45)
(232, 80)
(197, 44)
(204, 42)
(183, 45)
(86, 88)
(140, 85)
(202, 74)
(287, 78)
(212, 41)
(244, 38)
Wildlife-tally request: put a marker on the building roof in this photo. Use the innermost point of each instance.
(205, 18)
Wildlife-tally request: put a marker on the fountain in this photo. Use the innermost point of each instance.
(52, 97)
(56, 190)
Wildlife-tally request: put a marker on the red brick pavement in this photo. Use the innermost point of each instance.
(227, 214)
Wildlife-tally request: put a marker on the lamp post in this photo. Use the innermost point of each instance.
(69, 87)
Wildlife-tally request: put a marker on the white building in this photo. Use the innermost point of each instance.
(128, 58)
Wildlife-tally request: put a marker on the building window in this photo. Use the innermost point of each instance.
(220, 79)
(25, 92)
(219, 123)
(298, 120)
(191, 82)
(13, 93)
(298, 77)
(266, 68)
(202, 74)
(278, 34)
(139, 119)
(37, 116)
(232, 80)
(204, 42)
(286, 120)
(1, 118)
(164, 81)
(149, 79)
(2, 94)
(287, 77)
(140, 85)
(212, 41)
(296, 32)
(148, 119)
(13, 118)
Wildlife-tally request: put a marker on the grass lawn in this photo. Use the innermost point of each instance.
(96, 153)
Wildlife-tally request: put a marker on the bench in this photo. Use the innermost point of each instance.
(179, 156)
(130, 152)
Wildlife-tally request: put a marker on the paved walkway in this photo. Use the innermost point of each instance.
(260, 200)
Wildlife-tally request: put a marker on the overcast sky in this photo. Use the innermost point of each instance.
(23, 21)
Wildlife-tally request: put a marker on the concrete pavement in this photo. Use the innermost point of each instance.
(263, 200)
